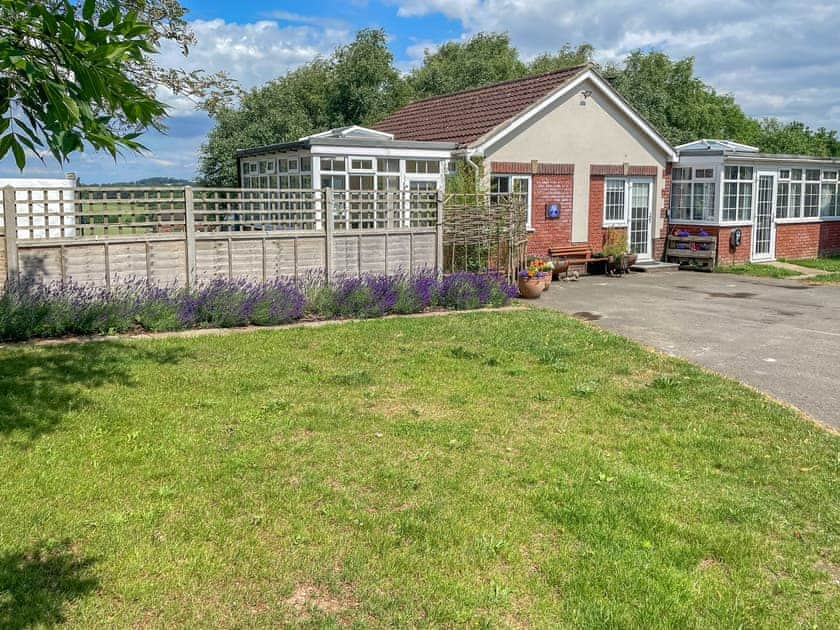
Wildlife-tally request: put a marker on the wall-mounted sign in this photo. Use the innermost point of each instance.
(552, 211)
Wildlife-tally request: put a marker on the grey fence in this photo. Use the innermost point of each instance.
(102, 235)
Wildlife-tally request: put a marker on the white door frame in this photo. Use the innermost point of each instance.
(771, 254)
(649, 181)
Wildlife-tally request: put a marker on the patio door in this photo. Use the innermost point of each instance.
(639, 230)
(764, 226)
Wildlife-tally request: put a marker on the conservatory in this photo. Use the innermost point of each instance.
(376, 181)
(760, 206)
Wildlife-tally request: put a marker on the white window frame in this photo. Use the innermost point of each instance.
(624, 220)
(697, 176)
(527, 178)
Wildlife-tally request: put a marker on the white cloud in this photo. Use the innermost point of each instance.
(253, 53)
(778, 58)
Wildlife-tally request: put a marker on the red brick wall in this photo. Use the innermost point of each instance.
(829, 238)
(798, 240)
(596, 211)
(659, 239)
(726, 255)
(547, 233)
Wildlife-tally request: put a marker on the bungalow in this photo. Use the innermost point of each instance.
(585, 161)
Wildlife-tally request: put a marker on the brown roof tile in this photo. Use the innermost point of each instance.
(464, 117)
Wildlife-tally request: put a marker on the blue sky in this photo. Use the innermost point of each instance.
(778, 58)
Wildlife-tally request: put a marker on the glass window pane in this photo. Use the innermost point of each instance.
(389, 165)
(499, 184)
(305, 164)
(731, 172)
(704, 202)
(812, 200)
(782, 192)
(796, 174)
(745, 172)
(795, 207)
(614, 200)
(812, 175)
(681, 174)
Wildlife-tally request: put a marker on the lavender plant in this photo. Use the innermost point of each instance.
(30, 309)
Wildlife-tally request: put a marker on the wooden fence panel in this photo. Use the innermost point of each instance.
(41, 264)
(85, 264)
(126, 261)
(373, 253)
(105, 236)
(424, 251)
(246, 259)
(166, 262)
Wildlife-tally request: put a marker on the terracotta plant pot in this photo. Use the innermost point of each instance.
(546, 281)
(631, 260)
(531, 288)
(561, 265)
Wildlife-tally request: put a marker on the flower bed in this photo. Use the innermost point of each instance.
(29, 310)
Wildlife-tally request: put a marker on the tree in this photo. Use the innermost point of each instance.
(365, 85)
(566, 57)
(358, 84)
(676, 102)
(485, 58)
(71, 74)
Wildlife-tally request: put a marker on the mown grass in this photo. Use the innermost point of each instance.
(830, 264)
(827, 263)
(494, 469)
(754, 269)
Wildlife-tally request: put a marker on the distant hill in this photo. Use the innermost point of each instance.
(150, 181)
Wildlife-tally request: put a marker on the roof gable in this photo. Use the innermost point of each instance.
(464, 117)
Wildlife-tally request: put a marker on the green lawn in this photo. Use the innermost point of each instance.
(830, 264)
(754, 269)
(495, 469)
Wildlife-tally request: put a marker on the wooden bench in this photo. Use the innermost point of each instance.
(692, 251)
(576, 254)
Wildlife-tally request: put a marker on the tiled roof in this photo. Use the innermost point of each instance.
(464, 117)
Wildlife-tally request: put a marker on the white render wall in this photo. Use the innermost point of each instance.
(583, 132)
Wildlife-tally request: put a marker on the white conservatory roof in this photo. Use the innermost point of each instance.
(351, 131)
(717, 145)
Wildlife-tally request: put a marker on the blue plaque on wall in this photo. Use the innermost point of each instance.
(552, 211)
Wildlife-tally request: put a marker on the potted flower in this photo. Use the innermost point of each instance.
(531, 282)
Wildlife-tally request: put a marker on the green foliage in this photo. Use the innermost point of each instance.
(357, 85)
(483, 59)
(77, 88)
(563, 58)
(668, 94)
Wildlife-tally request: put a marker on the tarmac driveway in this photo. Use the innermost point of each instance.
(780, 336)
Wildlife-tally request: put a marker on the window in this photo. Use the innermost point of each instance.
(681, 174)
(704, 202)
(388, 183)
(614, 201)
(693, 200)
(361, 164)
(334, 164)
(737, 193)
(306, 165)
(388, 165)
(811, 193)
(503, 187)
(293, 164)
(431, 167)
(336, 182)
(811, 204)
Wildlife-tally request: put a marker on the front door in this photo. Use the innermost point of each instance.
(639, 232)
(764, 226)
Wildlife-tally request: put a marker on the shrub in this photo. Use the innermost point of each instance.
(29, 309)
(466, 290)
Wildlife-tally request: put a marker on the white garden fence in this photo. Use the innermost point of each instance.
(102, 235)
